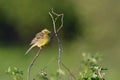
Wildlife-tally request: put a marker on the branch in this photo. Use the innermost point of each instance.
(32, 62)
(69, 71)
(54, 21)
(56, 31)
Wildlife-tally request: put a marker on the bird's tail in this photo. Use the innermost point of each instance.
(29, 49)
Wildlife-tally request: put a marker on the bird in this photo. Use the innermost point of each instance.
(40, 39)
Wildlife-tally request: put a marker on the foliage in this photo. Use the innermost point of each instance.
(91, 71)
(15, 73)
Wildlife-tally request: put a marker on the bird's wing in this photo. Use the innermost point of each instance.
(39, 36)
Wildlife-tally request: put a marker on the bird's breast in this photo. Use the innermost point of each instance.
(43, 42)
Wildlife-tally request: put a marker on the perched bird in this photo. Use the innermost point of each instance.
(40, 39)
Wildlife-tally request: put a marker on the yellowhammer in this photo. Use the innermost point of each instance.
(40, 39)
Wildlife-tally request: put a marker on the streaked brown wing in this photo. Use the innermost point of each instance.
(39, 36)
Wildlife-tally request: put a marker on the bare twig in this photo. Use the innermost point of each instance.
(62, 16)
(32, 62)
(54, 25)
(56, 34)
(57, 16)
(56, 31)
(71, 73)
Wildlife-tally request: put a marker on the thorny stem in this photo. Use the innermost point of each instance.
(32, 62)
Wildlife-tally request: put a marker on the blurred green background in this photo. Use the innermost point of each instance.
(89, 26)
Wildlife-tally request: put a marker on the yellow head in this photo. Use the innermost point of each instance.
(46, 31)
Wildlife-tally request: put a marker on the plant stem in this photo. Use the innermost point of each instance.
(32, 62)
